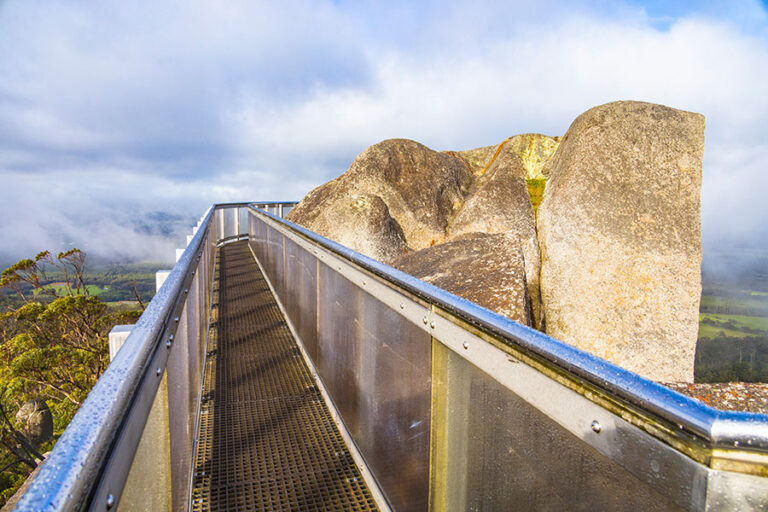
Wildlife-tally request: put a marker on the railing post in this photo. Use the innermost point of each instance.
(117, 337)
(160, 277)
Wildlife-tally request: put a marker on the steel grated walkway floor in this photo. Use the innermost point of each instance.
(266, 439)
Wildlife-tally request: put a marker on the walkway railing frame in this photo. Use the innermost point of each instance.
(696, 456)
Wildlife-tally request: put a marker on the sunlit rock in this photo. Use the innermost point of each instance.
(487, 269)
(619, 233)
(421, 188)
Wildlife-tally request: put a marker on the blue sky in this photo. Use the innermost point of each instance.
(112, 110)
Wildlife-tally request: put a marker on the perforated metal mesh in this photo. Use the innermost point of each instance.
(266, 439)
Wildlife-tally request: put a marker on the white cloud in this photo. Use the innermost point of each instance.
(177, 104)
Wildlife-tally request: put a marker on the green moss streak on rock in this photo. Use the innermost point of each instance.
(536, 188)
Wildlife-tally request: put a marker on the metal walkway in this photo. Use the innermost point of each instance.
(266, 439)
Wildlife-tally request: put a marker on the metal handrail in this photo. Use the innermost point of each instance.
(261, 204)
(741, 431)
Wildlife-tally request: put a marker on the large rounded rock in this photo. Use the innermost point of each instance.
(363, 223)
(35, 421)
(619, 233)
(499, 203)
(421, 188)
(487, 269)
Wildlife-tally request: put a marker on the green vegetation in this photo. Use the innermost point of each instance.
(735, 326)
(114, 284)
(53, 347)
(733, 320)
(726, 359)
(62, 289)
(536, 192)
(732, 348)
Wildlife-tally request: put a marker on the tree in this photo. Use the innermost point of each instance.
(53, 346)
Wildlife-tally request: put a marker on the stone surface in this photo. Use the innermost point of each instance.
(727, 396)
(421, 188)
(619, 233)
(363, 223)
(35, 421)
(487, 269)
(499, 203)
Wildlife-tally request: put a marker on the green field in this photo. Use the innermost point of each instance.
(733, 326)
(61, 288)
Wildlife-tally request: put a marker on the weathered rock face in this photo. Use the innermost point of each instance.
(619, 233)
(363, 223)
(36, 421)
(487, 269)
(421, 188)
(499, 203)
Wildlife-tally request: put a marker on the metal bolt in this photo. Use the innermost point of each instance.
(432, 324)
(363, 282)
(402, 306)
(170, 337)
(596, 426)
(110, 501)
(159, 371)
(465, 345)
(168, 343)
(426, 320)
(175, 319)
(186, 290)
